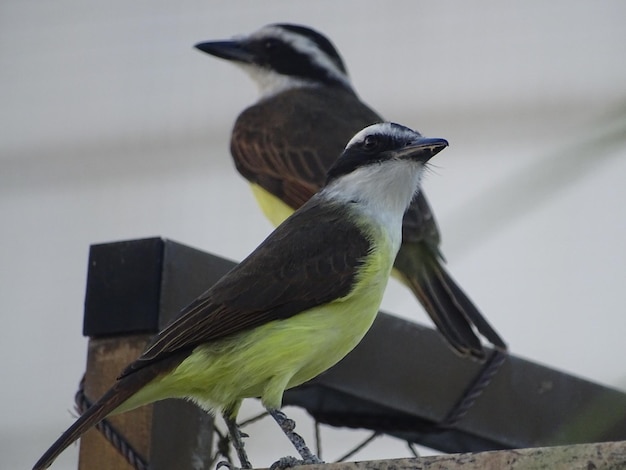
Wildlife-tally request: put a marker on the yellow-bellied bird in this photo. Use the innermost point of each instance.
(294, 307)
(285, 142)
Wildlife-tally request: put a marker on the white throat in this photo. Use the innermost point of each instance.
(382, 192)
(270, 83)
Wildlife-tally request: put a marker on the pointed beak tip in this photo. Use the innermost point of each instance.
(437, 142)
(424, 148)
(435, 145)
(202, 46)
(438, 147)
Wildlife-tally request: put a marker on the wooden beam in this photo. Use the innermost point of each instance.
(605, 455)
(130, 295)
(106, 357)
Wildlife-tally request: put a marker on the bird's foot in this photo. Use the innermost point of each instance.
(288, 426)
(288, 462)
(226, 464)
(236, 437)
(231, 466)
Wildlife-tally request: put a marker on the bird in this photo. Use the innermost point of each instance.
(284, 143)
(291, 309)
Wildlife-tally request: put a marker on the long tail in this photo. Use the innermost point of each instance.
(451, 310)
(119, 393)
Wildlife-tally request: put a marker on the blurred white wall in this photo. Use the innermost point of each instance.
(113, 127)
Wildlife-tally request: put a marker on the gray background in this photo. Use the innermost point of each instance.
(113, 127)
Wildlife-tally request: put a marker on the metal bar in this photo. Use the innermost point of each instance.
(526, 405)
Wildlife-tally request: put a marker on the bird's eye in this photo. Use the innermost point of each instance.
(269, 44)
(370, 142)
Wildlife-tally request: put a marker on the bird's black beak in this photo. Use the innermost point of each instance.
(229, 50)
(422, 149)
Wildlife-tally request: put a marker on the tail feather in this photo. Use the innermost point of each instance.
(119, 393)
(471, 312)
(452, 327)
(456, 329)
(96, 413)
(454, 314)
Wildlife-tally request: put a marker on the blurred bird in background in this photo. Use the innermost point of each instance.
(285, 143)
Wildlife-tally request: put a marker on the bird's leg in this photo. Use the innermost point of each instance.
(236, 437)
(288, 426)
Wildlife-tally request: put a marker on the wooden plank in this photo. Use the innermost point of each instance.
(105, 359)
(606, 455)
(131, 293)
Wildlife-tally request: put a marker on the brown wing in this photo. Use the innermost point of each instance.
(287, 143)
(296, 268)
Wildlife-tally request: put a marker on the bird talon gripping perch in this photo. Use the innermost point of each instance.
(288, 426)
(289, 462)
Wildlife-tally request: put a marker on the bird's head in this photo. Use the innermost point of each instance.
(283, 56)
(388, 144)
(382, 163)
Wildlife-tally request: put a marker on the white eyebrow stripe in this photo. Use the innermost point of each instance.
(306, 46)
(387, 128)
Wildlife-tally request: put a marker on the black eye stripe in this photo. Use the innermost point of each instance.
(376, 144)
(278, 50)
(320, 40)
(370, 142)
(372, 149)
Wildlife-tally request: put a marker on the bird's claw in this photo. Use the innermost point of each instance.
(288, 462)
(225, 463)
